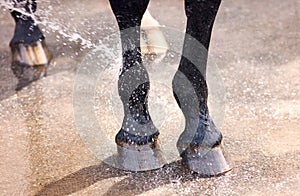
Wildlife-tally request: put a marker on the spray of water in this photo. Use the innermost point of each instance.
(45, 16)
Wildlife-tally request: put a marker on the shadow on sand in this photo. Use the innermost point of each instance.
(136, 183)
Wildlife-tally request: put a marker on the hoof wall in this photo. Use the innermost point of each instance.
(30, 62)
(206, 162)
(140, 157)
(153, 41)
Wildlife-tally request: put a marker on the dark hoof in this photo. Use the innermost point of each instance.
(30, 62)
(140, 158)
(207, 162)
(144, 157)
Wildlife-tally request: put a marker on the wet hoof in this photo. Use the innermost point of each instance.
(139, 156)
(153, 42)
(29, 62)
(207, 162)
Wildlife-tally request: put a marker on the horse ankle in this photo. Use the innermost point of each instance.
(26, 32)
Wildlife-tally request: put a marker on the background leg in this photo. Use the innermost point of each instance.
(30, 55)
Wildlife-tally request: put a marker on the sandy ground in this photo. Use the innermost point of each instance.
(255, 45)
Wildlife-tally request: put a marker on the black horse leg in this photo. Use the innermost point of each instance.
(137, 140)
(199, 144)
(30, 56)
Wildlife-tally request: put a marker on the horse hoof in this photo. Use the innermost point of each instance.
(207, 162)
(30, 62)
(153, 41)
(135, 157)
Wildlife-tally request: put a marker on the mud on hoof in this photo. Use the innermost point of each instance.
(206, 162)
(29, 62)
(142, 155)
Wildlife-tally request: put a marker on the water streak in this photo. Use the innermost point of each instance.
(44, 16)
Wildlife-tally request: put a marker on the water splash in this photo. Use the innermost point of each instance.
(45, 15)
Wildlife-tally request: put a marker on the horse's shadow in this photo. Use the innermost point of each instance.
(136, 183)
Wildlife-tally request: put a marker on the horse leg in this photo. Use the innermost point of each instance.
(30, 55)
(137, 139)
(199, 144)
